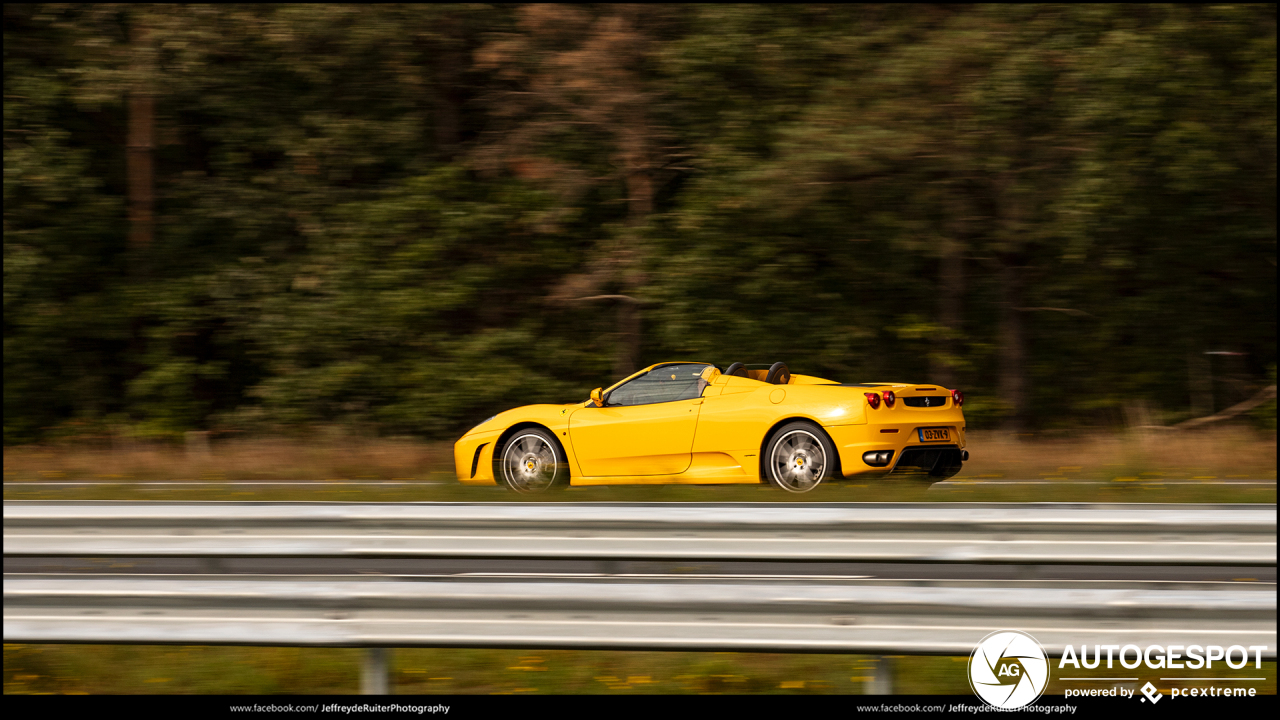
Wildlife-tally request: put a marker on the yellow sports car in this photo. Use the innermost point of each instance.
(690, 423)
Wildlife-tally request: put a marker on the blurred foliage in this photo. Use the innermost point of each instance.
(382, 217)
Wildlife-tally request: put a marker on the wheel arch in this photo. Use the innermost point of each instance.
(837, 472)
(500, 444)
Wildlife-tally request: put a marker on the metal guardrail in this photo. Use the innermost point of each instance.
(872, 532)
(790, 617)
(767, 615)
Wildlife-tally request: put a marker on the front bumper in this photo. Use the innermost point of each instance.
(473, 458)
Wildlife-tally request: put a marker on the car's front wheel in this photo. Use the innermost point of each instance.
(799, 456)
(532, 462)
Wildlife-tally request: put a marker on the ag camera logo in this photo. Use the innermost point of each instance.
(1008, 669)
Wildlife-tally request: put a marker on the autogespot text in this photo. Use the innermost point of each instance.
(1171, 657)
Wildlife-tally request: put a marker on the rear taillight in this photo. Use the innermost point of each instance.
(889, 397)
(873, 400)
(957, 397)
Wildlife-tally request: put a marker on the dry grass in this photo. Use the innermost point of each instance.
(1216, 454)
(266, 459)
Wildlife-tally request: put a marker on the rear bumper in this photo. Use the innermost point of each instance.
(910, 456)
(935, 461)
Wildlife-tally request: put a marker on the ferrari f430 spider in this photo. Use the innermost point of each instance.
(691, 423)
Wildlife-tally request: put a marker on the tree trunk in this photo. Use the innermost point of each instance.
(639, 195)
(141, 142)
(627, 354)
(639, 206)
(1012, 347)
(139, 174)
(445, 99)
(951, 281)
(1200, 375)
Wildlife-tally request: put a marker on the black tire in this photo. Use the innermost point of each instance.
(778, 374)
(799, 457)
(531, 461)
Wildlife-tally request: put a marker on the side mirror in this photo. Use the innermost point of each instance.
(597, 397)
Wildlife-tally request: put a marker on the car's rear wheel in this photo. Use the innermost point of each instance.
(799, 456)
(532, 462)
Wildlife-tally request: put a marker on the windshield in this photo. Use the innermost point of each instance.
(666, 383)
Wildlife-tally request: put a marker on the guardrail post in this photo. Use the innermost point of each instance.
(373, 672)
(881, 682)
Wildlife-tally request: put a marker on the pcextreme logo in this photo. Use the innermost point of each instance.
(1008, 669)
(1152, 693)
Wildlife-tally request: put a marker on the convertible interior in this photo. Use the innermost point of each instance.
(775, 374)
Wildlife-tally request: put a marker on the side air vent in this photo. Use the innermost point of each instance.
(475, 461)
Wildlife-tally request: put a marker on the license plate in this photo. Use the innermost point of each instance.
(934, 434)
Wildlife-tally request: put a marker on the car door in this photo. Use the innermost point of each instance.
(646, 426)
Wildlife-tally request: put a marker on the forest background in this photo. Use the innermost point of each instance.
(398, 220)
